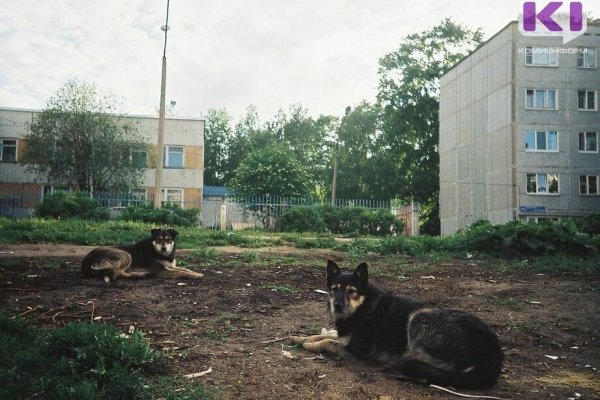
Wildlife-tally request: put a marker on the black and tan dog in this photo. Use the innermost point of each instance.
(150, 257)
(440, 346)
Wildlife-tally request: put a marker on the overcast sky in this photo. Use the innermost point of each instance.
(221, 53)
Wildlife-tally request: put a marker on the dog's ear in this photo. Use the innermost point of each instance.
(154, 232)
(172, 232)
(362, 273)
(332, 271)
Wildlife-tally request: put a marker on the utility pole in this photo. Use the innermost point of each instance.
(161, 121)
(335, 157)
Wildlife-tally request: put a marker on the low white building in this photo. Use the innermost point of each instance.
(183, 161)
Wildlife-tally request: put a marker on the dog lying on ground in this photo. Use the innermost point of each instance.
(440, 346)
(150, 257)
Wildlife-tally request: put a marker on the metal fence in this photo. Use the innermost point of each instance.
(237, 212)
(227, 212)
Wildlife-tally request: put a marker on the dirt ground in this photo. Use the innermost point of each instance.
(230, 321)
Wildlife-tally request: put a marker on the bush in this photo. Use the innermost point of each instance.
(516, 239)
(301, 219)
(169, 214)
(80, 361)
(343, 220)
(77, 205)
(591, 224)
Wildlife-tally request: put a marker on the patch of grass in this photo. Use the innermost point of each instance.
(214, 335)
(287, 289)
(571, 379)
(249, 257)
(510, 302)
(52, 265)
(206, 253)
(80, 361)
(388, 275)
(10, 263)
(558, 263)
(325, 242)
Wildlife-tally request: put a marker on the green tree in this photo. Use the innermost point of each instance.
(218, 135)
(248, 135)
(358, 134)
(79, 140)
(272, 171)
(308, 138)
(407, 157)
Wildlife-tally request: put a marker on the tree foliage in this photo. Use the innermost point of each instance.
(357, 138)
(408, 160)
(272, 171)
(78, 140)
(218, 135)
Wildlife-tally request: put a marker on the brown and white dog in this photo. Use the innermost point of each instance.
(151, 257)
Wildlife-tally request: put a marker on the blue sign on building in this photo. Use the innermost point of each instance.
(532, 209)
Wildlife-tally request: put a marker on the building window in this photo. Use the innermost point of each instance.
(588, 185)
(542, 184)
(173, 156)
(541, 99)
(541, 56)
(588, 142)
(174, 196)
(586, 57)
(541, 140)
(8, 150)
(586, 100)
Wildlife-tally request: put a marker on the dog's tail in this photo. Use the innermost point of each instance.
(482, 376)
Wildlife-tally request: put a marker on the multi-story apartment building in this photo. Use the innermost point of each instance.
(520, 130)
(183, 162)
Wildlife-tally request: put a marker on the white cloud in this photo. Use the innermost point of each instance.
(221, 53)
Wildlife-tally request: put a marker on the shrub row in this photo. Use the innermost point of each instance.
(342, 220)
(511, 240)
(80, 205)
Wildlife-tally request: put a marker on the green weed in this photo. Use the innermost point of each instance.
(79, 361)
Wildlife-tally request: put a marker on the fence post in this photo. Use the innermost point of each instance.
(223, 224)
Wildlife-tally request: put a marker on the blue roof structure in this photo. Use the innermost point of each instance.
(216, 191)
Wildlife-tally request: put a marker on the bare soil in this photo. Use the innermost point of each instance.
(548, 324)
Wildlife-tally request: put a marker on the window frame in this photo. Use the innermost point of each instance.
(531, 52)
(581, 58)
(7, 146)
(587, 185)
(166, 196)
(579, 141)
(167, 156)
(547, 185)
(546, 134)
(535, 96)
(586, 98)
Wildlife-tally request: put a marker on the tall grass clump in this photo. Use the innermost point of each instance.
(77, 361)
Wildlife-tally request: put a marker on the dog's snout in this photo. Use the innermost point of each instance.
(338, 305)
